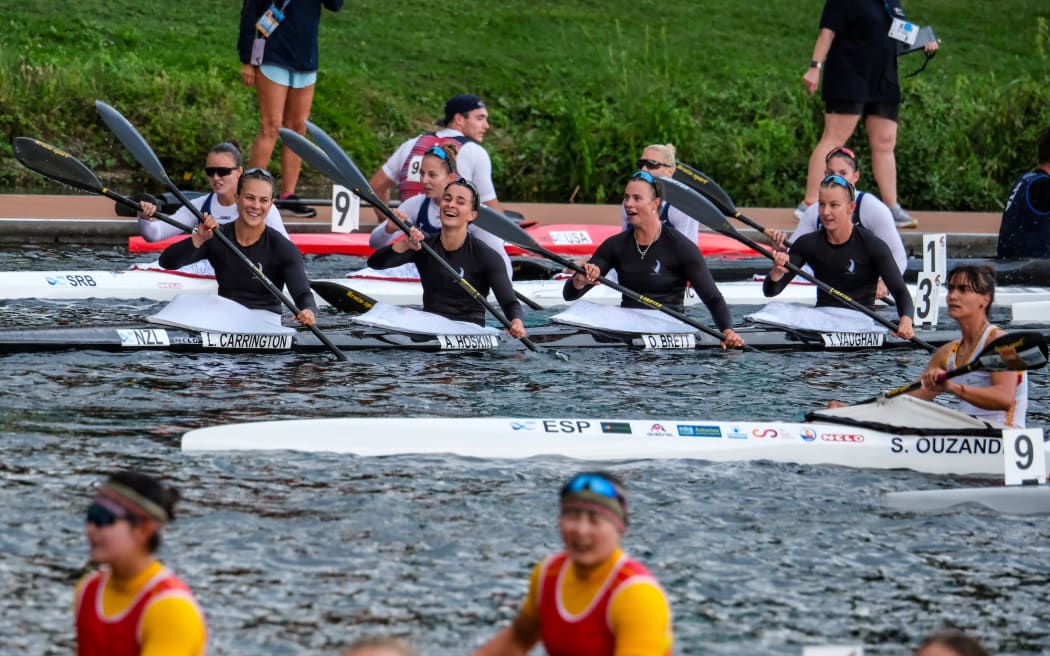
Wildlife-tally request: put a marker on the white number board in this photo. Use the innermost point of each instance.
(834, 650)
(935, 254)
(1024, 456)
(927, 299)
(346, 210)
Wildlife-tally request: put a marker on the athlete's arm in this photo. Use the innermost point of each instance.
(938, 362)
(641, 620)
(382, 184)
(157, 230)
(878, 219)
(172, 626)
(523, 634)
(704, 283)
(274, 220)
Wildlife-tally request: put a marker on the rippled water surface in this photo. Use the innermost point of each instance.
(295, 553)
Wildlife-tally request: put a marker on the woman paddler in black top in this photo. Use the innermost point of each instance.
(480, 265)
(271, 251)
(845, 256)
(653, 261)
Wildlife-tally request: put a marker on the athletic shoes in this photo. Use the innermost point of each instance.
(290, 206)
(800, 210)
(902, 218)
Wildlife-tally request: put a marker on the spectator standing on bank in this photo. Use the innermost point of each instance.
(857, 50)
(278, 51)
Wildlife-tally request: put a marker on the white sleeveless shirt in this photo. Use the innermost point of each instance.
(1013, 417)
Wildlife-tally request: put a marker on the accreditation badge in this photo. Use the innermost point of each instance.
(269, 21)
(903, 31)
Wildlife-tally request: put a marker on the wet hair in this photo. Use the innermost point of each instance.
(394, 644)
(1042, 145)
(957, 641)
(228, 148)
(667, 153)
(979, 276)
(475, 200)
(844, 153)
(449, 150)
(152, 490)
(256, 174)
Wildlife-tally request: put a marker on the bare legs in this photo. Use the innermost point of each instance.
(882, 135)
(838, 128)
(280, 106)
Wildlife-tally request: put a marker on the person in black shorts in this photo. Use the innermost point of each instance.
(652, 261)
(480, 265)
(278, 258)
(859, 59)
(847, 257)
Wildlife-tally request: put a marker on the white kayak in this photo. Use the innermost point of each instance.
(81, 284)
(972, 448)
(1014, 500)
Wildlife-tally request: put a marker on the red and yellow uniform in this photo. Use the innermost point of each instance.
(616, 609)
(153, 614)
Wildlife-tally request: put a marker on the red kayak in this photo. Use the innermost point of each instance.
(564, 239)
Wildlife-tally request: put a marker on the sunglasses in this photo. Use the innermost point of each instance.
(463, 182)
(592, 483)
(651, 164)
(102, 516)
(841, 150)
(840, 181)
(221, 171)
(257, 172)
(437, 152)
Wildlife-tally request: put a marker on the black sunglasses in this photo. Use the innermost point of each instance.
(102, 516)
(651, 164)
(463, 182)
(257, 172)
(221, 171)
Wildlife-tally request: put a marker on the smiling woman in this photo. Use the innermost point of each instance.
(591, 599)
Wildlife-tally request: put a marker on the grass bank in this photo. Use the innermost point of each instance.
(574, 89)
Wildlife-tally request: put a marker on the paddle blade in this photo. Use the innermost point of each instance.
(313, 155)
(1015, 352)
(56, 164)
(343, 298)
(692, 203)
(705, 185)
(498, 224)
(355, 179)
(135, 143)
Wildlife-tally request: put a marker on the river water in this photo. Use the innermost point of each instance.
(300, 553)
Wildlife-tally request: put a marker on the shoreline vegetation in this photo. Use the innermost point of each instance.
(574, 89)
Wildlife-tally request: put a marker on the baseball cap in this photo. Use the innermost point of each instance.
(460, 104)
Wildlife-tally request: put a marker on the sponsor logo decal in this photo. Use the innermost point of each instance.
(669, 341)
(565, 425)
(523, 425)
(621, 427)
(735, 433)
(468, 342)
(841, 437)
(853, 340)
(690, 430)
(169, 285)
(808, 434)
(764, 432)
(657, 430)
(948, 445)
(569, 237)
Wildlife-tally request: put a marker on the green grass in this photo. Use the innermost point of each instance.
(574, 89)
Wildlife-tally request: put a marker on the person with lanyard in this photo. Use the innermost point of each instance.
(479, 264)
(276, 257)
(437, 169)
(465, 122)
(277, 46)
(591, 599)
(1025, 228)
(870, 212)
(223, 169)
(999, 397)
(133, 604)
(857, 50)
(659, 159)
(652, 261)
(847, 257)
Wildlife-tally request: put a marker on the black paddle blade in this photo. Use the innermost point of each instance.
(692, 203)
(705, 185)
(56, 164)
(342, 161)
(343, 298)
(312, 155)
(1015, 352)
(498, 224)
(135, 143)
